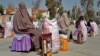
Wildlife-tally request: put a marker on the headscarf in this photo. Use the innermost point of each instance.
(78, 21)
(67, 20)
(22, 21)
(64, 21)
(23, 25)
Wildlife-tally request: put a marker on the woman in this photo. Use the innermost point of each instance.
(81, 26)
(64, 26)
(94, 27)
(89, 27)
(22, 24)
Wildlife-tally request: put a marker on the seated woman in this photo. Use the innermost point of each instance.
(22, 24)
(81, 31)
(64, 26)
(89, 27)
(94, 27)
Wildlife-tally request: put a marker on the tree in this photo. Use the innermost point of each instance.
(38, 16)
(74, 12)
(83, 2)
(98, 4)
(1, 9)
(89, 14)
(87, 6)
(60, 11)
(98, 13)
(78, 12)
(36, 5)
(68, 12)
(54, 6)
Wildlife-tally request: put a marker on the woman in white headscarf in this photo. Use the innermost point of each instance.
(64, 21)
(94, 27)
(64, 25)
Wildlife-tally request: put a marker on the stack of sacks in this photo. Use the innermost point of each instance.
(8, 30)
(9, 27)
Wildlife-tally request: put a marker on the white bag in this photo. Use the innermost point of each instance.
(8, 30)
(53, 27)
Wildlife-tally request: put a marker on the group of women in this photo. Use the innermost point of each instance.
(25, 30)
(85, 28)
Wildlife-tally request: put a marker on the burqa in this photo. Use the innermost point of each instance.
(22, 24)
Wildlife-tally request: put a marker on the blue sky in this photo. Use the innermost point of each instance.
(67, 4)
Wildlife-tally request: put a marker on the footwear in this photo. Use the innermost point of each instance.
(38, 50)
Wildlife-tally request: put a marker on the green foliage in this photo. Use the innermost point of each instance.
(38, 16)
(52, 6)
(60, 11)
(51, 17)
(1, 9)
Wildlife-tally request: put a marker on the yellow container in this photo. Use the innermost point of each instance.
(63, 43)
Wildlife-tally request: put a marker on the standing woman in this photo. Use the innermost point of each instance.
(22, 24)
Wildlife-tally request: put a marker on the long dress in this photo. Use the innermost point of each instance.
(84, 30)
(21, 42)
